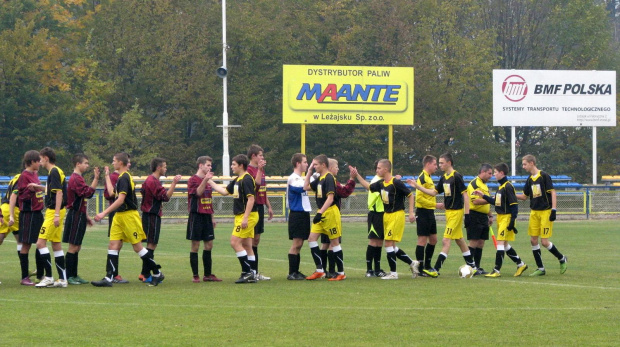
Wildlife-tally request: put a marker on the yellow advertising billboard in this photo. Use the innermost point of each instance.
(316, 94)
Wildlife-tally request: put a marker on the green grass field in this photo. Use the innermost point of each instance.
(580, 307)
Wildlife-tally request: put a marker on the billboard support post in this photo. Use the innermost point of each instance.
(513, 150)
(594, 173)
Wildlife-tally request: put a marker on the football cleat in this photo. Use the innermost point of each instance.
(338, 277)
(390, 276)
(196, 279)
(45, 282)
(564, 265)
(26, 282)
(103, 283)
(431, 272)
(59, 284)
(493, 274)
(538, 272)
(211, 278)
(370, 273)
(83, 281)
(380, 273)
(73, 281)
(246, 277)
(260, 277)
(156, 280)
(315, 276)
(118, 279)
(415, 268)
(520, 270)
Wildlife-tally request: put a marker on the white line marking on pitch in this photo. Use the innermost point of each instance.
(210, 306)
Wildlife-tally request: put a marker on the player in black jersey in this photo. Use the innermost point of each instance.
(543, 203)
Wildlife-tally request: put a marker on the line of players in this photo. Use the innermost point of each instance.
(465, 206)
(385, 219)
(26, 198)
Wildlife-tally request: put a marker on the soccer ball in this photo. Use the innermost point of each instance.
(466, 271)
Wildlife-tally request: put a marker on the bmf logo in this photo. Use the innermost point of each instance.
(514, 88)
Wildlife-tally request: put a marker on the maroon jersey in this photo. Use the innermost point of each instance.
(113, 179)
(261, 187)
(198, 204)
(78, 192)
(153, 194)
(28, 200)
(343, 192)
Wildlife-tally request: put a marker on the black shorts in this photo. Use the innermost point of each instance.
(478, 226)
(200, 227)
(260, 226)
(325, 239)
(375, 225)
(425, 222)
(110, 219)
(75, 227)
(298, 225)
(151, 224)
(30, 224)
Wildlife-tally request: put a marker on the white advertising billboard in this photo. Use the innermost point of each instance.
(554, 98)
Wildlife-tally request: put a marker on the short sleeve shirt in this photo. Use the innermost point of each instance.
(452, 186)
(538, 188)
(28, 200)
(125, 185)
(241, 188)
(478, 184)
(153, 195)
(78, 193)
(261, 186)
(423, 200)
(56, 182)
(505, 197)
(393, 194)
(11, 189)
(325, 185)
(203, 203)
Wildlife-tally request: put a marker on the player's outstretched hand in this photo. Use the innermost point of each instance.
(552, 216)
(99, 217)
(209, 175)
(177, 178)
(96, 172)
(412, 183)
(318, 218)
(352, 172)
(106, 170)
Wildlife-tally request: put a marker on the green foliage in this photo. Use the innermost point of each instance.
(89, 75)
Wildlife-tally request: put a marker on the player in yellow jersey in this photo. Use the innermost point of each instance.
(55, 200)
(543, 203)
(456, 203)
(426, 224)
(480, 214)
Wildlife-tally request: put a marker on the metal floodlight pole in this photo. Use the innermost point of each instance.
(225, 155)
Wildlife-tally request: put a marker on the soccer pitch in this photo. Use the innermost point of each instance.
(577, 308)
